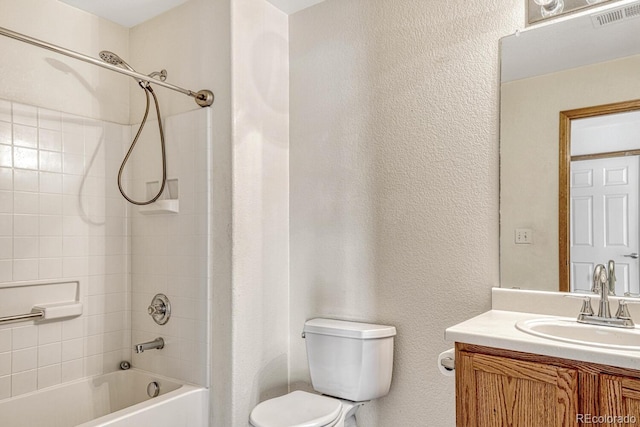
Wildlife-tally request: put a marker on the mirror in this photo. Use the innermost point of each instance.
(567, 66)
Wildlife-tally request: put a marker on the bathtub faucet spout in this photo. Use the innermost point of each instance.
(158, 343)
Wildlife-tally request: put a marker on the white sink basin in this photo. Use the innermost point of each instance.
(571, 331)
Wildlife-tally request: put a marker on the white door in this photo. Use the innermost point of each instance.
(604, 221)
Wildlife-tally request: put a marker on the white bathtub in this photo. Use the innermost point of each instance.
(117, 399)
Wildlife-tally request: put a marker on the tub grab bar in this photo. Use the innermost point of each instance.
(35, 314)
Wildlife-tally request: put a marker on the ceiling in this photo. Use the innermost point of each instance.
(127, 13)
(130, 13)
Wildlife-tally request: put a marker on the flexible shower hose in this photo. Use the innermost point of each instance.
(147, 90)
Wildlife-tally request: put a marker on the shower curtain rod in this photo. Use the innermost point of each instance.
(203, 98)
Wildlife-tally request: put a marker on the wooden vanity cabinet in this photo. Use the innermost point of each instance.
(501, 388)
(620, 397)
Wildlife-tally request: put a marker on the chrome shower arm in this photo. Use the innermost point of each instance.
(203, 98)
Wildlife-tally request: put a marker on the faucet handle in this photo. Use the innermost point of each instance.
(160, 309)
(623, 310)
(586, 308)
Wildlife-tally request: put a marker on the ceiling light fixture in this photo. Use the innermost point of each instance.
(550, 7)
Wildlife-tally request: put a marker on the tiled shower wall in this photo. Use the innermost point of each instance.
(169, 250)
(62, 218)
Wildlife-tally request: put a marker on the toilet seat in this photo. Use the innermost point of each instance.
(297, 409)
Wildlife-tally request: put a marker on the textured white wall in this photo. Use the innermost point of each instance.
(42, 78)
(260, 205)
(529, 160)
(220, 221)
(394, 180)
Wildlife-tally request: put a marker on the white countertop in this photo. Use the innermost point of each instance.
(496, 328)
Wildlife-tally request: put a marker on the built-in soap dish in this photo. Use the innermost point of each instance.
(161, 207)
(169, 202)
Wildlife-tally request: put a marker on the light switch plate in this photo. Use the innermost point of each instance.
(524, 236)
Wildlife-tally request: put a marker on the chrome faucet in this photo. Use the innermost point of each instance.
(601, 285)
(158, 343)
(605, 285)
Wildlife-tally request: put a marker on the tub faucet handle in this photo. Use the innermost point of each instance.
(160, 309)
(156, 309)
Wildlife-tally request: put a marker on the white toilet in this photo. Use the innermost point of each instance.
(350, 363)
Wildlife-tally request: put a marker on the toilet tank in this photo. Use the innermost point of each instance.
(349, 360)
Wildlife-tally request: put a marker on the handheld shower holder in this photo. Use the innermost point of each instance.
(162, 75)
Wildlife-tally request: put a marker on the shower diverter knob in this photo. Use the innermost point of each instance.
(156, 309)
(160, 309)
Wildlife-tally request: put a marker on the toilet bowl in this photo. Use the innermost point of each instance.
(303, 409)
(350, 363)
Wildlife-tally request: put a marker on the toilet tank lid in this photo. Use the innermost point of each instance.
(348, 329)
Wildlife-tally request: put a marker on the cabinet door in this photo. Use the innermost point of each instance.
(494, 391)
(619, 401)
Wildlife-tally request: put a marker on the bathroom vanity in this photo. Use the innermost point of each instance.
(510, 373)
(496, 387)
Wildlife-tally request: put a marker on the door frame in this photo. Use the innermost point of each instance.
(564, 182)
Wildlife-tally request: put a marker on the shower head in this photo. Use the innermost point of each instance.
(113, 59)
